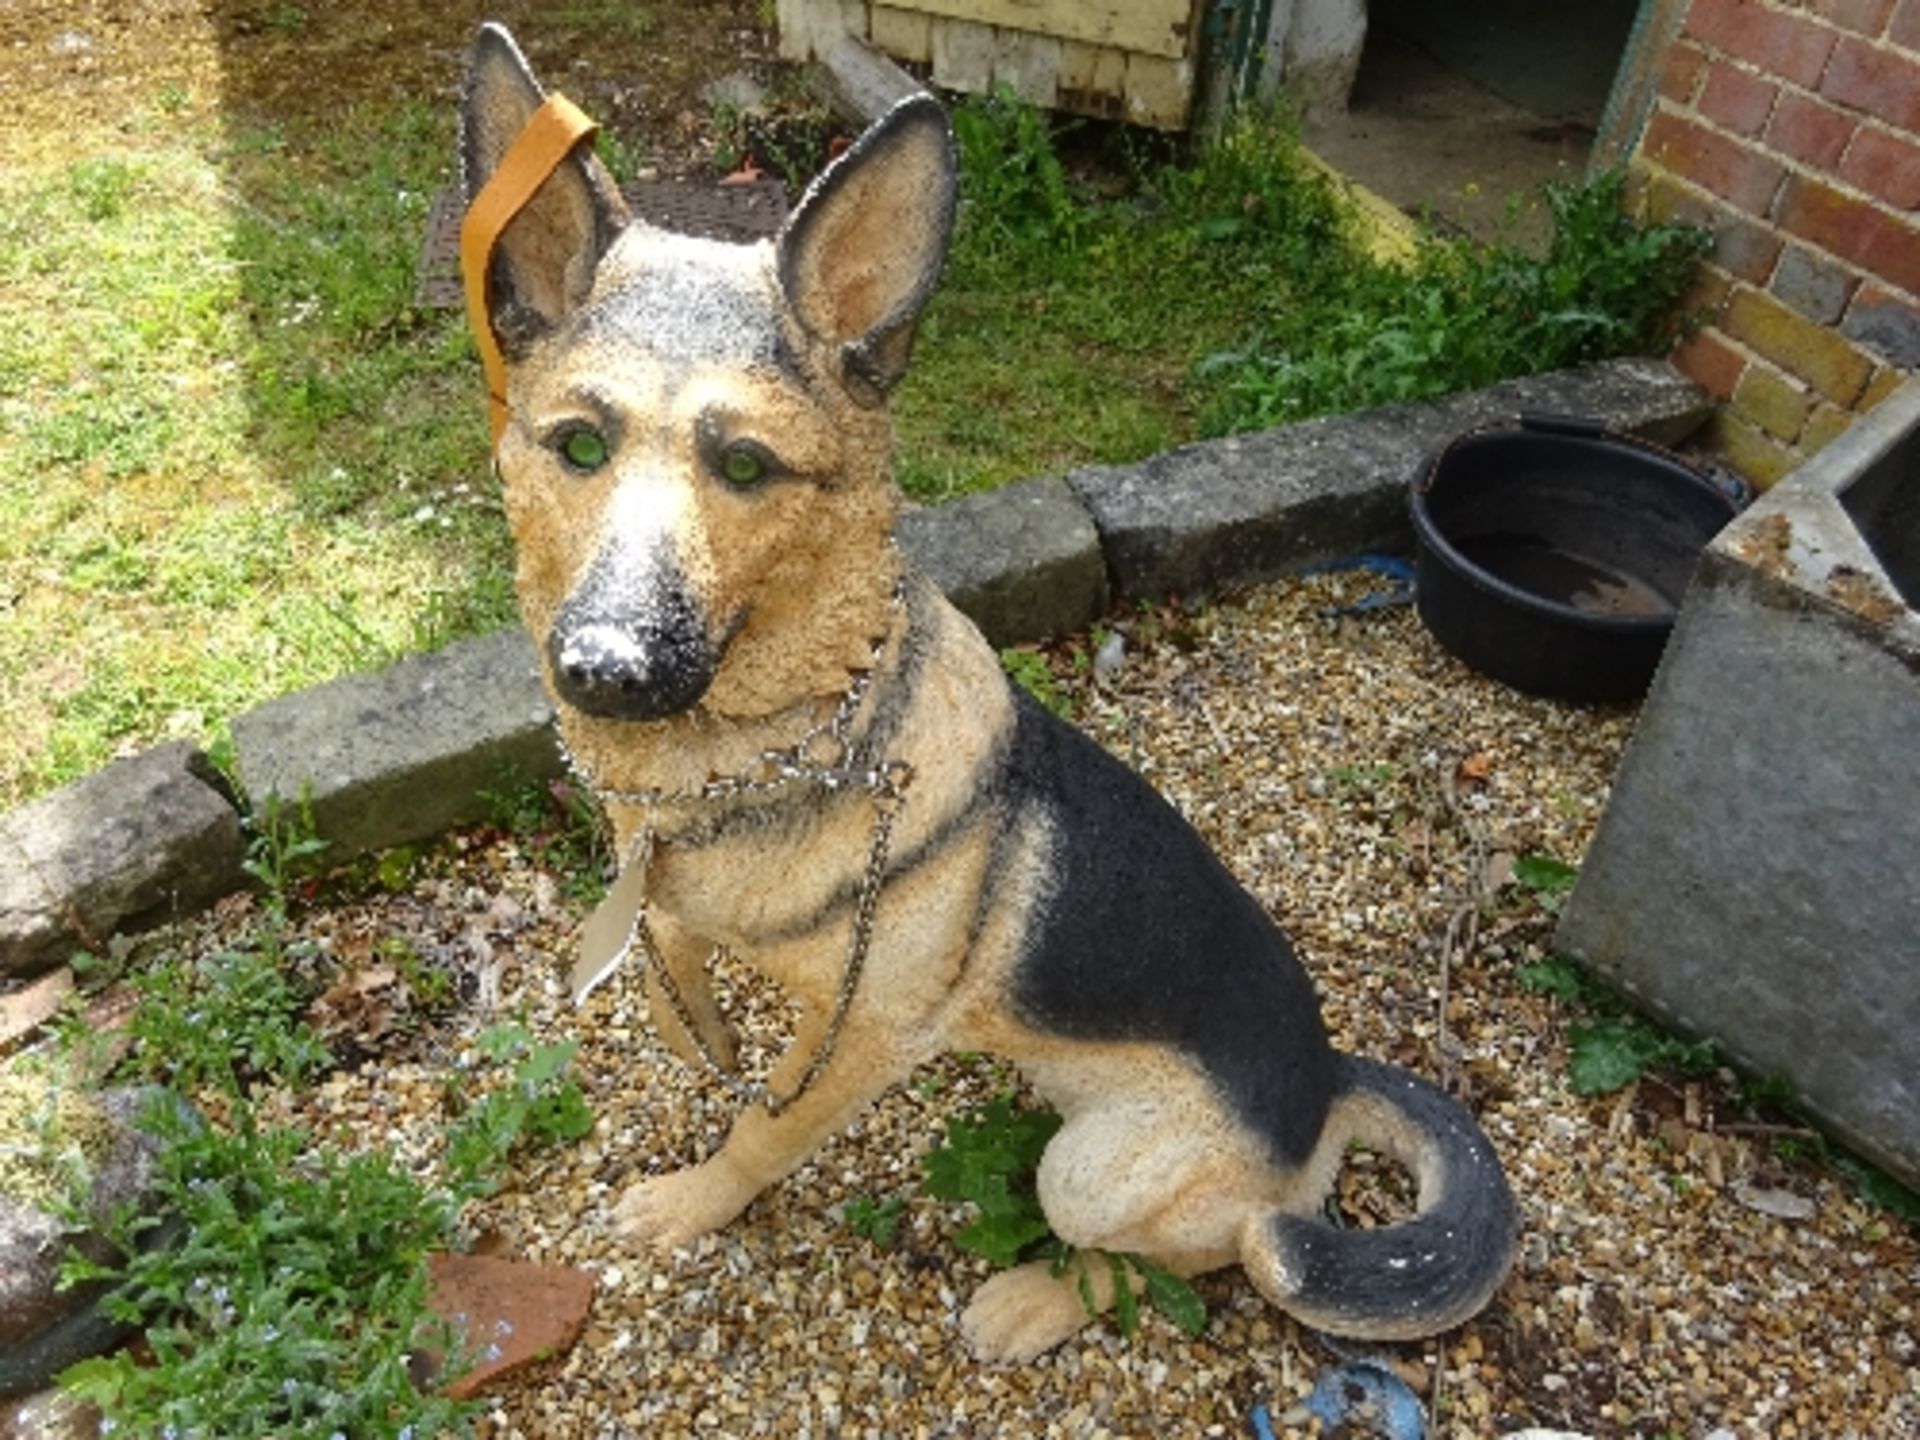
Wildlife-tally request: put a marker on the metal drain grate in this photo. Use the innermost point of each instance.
(741, 211)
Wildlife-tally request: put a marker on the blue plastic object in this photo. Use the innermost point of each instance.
(1394, 567)
(1341, 1391)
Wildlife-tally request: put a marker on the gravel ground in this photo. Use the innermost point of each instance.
(1374, 795)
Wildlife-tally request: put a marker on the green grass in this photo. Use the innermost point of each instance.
(1068, 325)
(235, 459)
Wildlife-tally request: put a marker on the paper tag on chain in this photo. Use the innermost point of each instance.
(604, 937)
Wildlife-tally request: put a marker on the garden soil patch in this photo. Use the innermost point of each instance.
(76, 73)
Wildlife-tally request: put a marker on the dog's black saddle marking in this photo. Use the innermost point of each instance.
(1147, 937)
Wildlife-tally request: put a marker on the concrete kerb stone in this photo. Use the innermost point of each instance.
(405, 753)
(1219, 513)
(146, 839)
(1023, 561)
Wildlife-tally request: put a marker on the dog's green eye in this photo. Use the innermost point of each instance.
(742, 465)
(585, 450)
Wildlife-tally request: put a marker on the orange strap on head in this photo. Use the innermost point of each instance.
(548, 138)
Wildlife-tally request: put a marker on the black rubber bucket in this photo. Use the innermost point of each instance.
(1553, 556)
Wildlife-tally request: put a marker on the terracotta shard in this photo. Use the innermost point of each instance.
(508, 1313)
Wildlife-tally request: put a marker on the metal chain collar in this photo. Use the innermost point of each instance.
(772, 771)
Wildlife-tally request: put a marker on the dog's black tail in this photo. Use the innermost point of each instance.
(1402, 1281)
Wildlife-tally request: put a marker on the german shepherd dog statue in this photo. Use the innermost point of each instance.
(811, 759)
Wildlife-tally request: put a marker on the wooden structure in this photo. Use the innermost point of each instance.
(1135, 60)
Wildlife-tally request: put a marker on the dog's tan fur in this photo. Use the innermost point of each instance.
(791, 585)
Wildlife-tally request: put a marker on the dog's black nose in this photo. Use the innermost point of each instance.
(621, 673)
(630, 642)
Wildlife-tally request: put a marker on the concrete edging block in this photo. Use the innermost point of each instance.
(403, 753)
(1234, 511)
(145, 840)
(1024, 561)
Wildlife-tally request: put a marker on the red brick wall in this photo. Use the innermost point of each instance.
(1793, 130)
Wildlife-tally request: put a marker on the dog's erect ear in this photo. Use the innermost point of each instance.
(860, 255)
(544, 261)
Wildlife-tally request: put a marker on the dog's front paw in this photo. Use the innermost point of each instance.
(1023, 1313)
(665, 1212)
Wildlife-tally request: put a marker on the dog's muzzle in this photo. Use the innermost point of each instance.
(631, 667)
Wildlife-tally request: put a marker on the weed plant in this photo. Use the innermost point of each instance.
(285, 1296)
(990, 1160)
(1461, 316)
(559, 825)
(1221, 291)
(537, 1107)
(280, 1283)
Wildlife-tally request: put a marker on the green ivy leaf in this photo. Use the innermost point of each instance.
(1001, 1239)
(989, 1160)
(561, 1116)
(1028, 1134)
(1549, 879)
(1608, 1055)
(1172, 1296)
(941, 1170)
(1559, 978)
(1126, 1306)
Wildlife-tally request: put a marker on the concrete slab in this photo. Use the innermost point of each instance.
(403, 753)
(1436, 144)
(1752, 877)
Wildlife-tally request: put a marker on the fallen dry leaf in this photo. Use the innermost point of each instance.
(1474, 769)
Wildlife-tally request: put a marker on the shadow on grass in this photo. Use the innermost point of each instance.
(236, 457)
